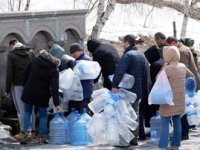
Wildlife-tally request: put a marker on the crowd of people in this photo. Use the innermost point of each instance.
(32, 80)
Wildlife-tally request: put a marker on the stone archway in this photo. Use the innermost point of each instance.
(68, 37)
(4, 50)
(40, 40)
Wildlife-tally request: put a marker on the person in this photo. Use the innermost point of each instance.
(41, 79)
(107, 56)
(160, 41)
(17, 60)
(156, 63)
(176, 73)
(77, 52)
(186, 57)
(66, 60)
(133, 62)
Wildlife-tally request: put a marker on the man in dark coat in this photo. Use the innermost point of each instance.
(17, 60)
(107, 56)
(156, 63)
(41, 81)
(133, 62)
(77, 52)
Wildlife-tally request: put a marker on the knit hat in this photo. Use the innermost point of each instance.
(57, 51)
(92, 45)
(75, 47)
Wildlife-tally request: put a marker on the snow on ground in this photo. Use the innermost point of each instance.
(127, 19)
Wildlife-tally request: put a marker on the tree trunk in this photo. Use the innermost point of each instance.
(102, 16)
(19, 4)
(27, 5)
(185, 19)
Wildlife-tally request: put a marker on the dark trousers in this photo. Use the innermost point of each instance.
(185, 126)
(149, 113)
(79, 105)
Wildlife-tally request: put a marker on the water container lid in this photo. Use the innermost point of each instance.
(114, 96)
(190, 86)
(84, 110)
(58, 114)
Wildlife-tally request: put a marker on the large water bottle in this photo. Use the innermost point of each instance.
(191, 113)
(155, 126)
(127, 95)
(190, 86)
(57, 130)
(112, 132)
(86, 118)
(73, 115)
(110, 108)
(67, 130)
(79, 134)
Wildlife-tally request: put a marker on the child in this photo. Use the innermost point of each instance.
(176, 73)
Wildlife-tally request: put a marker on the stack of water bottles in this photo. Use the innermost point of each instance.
(113, 117)
(71, 129)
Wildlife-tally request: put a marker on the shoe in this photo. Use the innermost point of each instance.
(142, 138)
(27, 139)
(186, 137)
(20, 136)
(134, 142)
(43, 140)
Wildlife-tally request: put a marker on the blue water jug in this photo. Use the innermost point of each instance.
(67, 130)
(190, 86)
(57, 130)
(86, 118)
(155, 126)
(79, 134)
(73, 115)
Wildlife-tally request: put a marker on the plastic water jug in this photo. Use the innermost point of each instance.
(73, 115)
(79, 134)
(125, 133)
(112, 132)
(190, 86)
(110, 108)
(86, 118)
(191, 113)
(127, 95)
(57, 130)
(155, 126)
(67, 130)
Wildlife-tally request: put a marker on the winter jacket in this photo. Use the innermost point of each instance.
(134, 63)
(188, 59)
(176, 73)
(107, 56)
(156, 62)
(16, 63)
(41, 80)
(86, 84)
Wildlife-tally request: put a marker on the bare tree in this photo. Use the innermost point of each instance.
(103, 16)
(28, 2)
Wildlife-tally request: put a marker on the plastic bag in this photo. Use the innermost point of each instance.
(161, 92)
(87, 70)
(75, 92)
(66, 78)
(127, 81)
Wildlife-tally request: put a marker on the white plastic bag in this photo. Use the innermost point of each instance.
(75, 92)
(87, 70)
(161, 92)
(66, 79)
(127, 81)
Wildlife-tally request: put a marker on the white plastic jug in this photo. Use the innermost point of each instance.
(127, 95)
(66, 79)
(125, 133)
(87, 70)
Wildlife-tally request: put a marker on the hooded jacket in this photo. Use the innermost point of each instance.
(16, 63)
(41, 80)
(134, 63)
(108, 58)
(176, 73)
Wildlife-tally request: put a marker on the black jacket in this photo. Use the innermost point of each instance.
(41, 81)
(134, 63)
(156, 62)
(17, 61)
(108, 58)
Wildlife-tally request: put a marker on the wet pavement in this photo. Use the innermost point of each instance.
(192, 144)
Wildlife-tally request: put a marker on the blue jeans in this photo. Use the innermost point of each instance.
(176, 139)
(42, 118)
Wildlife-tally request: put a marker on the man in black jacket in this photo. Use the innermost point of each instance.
(133, 62)
(107, 56)
(41, 81)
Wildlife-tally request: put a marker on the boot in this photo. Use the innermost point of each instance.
(27, 139)
(173, 148)
(20, 136)
(43, 140)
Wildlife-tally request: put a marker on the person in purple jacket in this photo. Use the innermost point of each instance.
(78, 53)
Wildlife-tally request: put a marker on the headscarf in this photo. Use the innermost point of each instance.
(171, 55)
